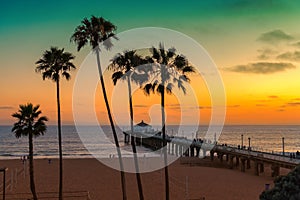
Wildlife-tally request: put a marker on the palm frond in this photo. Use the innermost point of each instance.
(156, 54)
(94, 31)
(171, 52)
(147, 89)
(188, 69)
(160, 88)
(180, 62)
(180, 85)
(66, 75)
(169, 88)
(116, 76)
(184, 78)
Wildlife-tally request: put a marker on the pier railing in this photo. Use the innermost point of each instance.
(260, 154)
(208, 145)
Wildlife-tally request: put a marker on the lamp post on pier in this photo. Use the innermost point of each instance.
(283, 146)
(215, 138)
(242, 138)
(249, 141)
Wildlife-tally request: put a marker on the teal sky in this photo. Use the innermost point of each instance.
(29, 26)
(227, 29)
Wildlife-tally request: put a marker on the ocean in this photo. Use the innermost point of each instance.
(263, 138)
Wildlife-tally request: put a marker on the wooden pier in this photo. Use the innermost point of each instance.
(233, 156)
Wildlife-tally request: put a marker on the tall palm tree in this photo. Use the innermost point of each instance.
(29, 124)
(125, 68)
(54, 64)
(168, 69)
(95, 31)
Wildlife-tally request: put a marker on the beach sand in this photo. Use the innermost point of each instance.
(211, 180)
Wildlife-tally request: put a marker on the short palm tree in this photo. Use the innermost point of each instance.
(167, 69)
(54, 64)
(125, 68)
(29, 124)
(95, 31)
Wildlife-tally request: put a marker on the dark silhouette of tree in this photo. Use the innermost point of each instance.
(29, 124)
(95, 31)
(54, 64)
(125, 67)
(167, 69)
(285, 187)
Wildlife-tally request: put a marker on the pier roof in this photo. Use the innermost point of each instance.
(142, 124)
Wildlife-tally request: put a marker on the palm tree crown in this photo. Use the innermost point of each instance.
(94, 31)
(167, 69)
(29, 121)
(55, 62)
(129, 65)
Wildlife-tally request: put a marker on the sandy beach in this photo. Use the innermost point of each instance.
(212, 181)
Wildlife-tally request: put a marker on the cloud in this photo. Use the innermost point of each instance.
(293, 104)
(140, 106)
(263, 100)
(6, 107)
(291, 56)
(274, 37)
(210, 107)
(290, 104)
(261, 105)
(262, 67)
(280, 110)
(173, 105)
(297, 44)
(186, 107)
(273, 97)
(204, 107)
(265, 54)
(233, 106)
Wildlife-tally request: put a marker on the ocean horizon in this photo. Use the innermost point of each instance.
(267, 138)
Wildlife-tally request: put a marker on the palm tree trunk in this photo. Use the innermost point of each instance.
(32, 184)
(112, 126)
(133, 144)
(164, 144)
(163, 121)
(59, 143)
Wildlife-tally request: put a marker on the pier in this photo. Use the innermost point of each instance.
(235, 157)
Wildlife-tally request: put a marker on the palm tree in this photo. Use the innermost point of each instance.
(29, 124)
(125, 68)
(95, 31)
(168, 69)
(54, 64)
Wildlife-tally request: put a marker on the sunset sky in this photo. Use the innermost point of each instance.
(255, 45)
